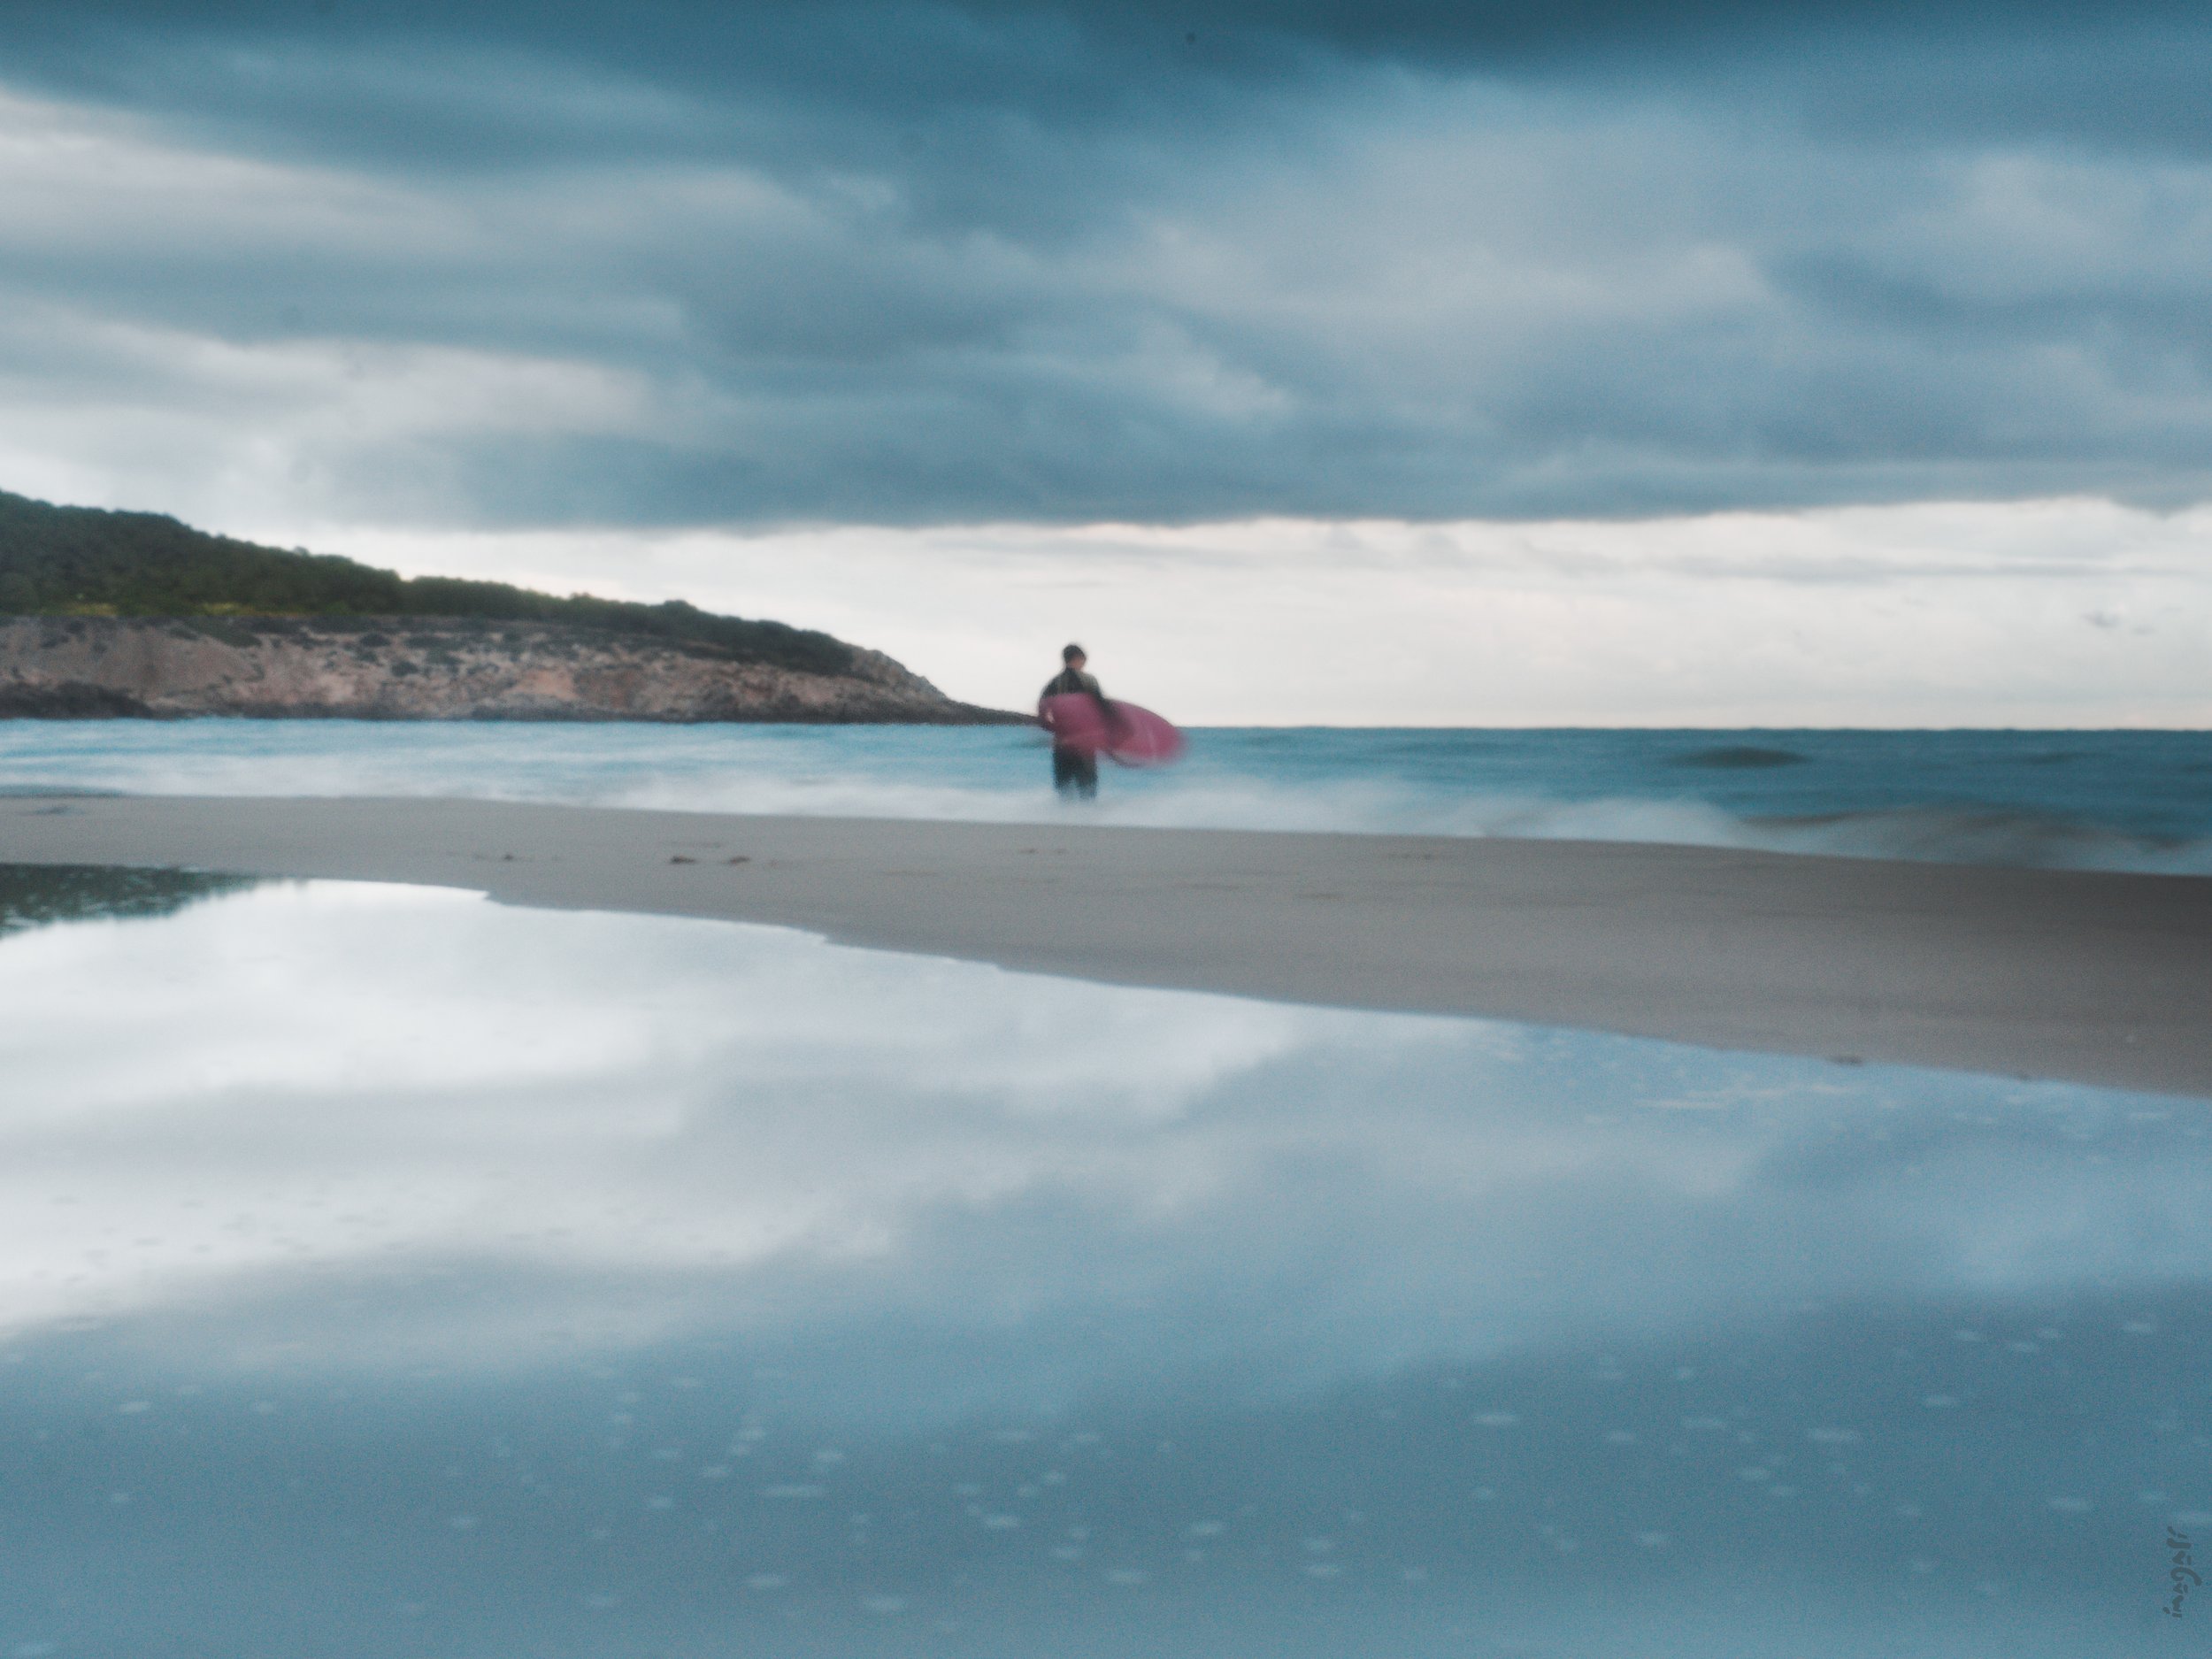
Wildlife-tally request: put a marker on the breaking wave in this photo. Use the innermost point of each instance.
(2097, 801)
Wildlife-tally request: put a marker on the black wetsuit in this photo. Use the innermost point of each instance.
(1074, 771)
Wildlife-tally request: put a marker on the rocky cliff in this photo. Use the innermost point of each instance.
(433, 668)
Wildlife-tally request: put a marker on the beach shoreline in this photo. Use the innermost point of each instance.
(2092, 978)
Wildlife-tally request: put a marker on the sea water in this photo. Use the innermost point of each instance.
(384, 1271)
(2126, 800)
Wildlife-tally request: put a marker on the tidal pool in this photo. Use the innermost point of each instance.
(385, 1272)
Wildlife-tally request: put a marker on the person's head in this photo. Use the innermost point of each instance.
(1072, 655)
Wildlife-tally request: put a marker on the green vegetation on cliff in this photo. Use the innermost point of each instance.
(86, 562)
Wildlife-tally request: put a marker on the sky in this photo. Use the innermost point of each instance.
(1460, 363)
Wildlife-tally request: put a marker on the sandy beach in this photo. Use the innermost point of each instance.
(2098, 979)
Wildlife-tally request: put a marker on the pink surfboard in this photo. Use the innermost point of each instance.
(1120, 731)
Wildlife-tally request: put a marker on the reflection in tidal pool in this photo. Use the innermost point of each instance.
(34, 895)
(383, 1272)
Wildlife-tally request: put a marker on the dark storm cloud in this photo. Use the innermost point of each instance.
(927, 262)
(2127, 71)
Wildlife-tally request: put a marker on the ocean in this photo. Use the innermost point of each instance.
(2121, 800)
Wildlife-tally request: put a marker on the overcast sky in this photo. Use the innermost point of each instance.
(1007, 290)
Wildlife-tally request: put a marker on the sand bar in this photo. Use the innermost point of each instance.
(2103, 978)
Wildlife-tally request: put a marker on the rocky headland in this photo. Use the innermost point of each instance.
(134, 614)
(433, 668)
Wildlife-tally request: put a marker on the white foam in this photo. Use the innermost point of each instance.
(998, 776)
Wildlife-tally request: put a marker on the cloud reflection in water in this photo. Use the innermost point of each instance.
(579, 1280)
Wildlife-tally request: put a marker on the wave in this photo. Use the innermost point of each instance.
(1974, 835)
(987, 778)
(1963, 833)
(1739, 757)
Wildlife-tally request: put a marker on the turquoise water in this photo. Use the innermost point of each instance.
(387, 1272)
(2111, 800)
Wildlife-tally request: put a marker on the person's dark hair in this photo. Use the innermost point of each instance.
(1068, 654)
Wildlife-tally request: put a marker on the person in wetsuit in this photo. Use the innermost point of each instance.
(1074, 771)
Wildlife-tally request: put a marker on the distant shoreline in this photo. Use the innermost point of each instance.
(2089, 977)
(439, 668)
(50, 713)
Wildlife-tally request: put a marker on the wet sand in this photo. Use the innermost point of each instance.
(2098, 979)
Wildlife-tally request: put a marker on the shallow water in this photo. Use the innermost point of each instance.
(2097, 800)
(387, 1272)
